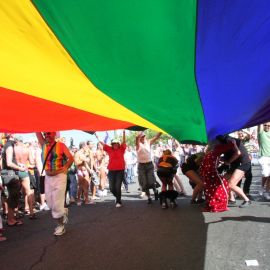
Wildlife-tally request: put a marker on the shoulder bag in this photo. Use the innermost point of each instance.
(42, 177)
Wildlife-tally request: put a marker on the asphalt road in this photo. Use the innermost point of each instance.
(141, 236)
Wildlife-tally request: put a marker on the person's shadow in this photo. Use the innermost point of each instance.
(243, 218)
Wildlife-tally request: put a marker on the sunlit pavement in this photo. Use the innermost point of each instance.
(141, 236)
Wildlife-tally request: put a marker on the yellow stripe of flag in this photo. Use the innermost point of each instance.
(34, 62)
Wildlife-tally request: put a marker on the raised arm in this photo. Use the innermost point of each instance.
(236, 155)
(248, 134)
(260, 128)
(40, 138)
(154, 139)
(138, 137)
(124, 137)
(99, 139)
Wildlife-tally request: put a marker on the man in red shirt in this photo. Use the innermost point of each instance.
(116, 166)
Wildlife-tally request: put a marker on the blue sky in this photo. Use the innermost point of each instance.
(77, 135)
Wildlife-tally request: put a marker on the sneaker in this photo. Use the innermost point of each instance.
(44, 207)
(59, 230)
(261, 191)
(65, 217)
(173, 204)
(230, 202)
(2, 238)
(200, 201)
(193, 202)
(142, 194)
(266, 195)
(79, 203)
(72, 200)
(118, 205)
(90, 202)
(164, 205)
(245, 204)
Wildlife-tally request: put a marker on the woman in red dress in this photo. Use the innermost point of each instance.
(216, 188)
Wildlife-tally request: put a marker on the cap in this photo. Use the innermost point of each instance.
(115, 141)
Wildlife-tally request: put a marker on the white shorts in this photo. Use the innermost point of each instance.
(55, 189)
(265, 166)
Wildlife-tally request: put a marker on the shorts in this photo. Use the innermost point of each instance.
(23, 174)
(188, 167)
(239, 166)
(193, 185)
(166, 173)
(265, 166)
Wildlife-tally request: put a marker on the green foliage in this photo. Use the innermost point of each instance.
(131, 137)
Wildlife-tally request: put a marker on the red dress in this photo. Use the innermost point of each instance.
(216, 187)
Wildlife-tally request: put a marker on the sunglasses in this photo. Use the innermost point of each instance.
(47, 133)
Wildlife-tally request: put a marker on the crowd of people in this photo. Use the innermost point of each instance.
(46, 174)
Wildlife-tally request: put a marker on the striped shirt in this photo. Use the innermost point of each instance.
(56, 159)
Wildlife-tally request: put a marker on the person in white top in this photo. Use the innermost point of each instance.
(130, 160)
(146, 175)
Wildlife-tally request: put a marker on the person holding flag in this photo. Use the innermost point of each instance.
(116, 166)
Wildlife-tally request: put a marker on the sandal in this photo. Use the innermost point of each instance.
(17, 223)
(26, 212)
(33, 217)
(2, 238)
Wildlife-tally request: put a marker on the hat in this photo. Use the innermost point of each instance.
(142, 134)
(115, 141)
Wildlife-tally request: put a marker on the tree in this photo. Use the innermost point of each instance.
(131, 137)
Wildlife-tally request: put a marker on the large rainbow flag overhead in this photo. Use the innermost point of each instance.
(194, 69)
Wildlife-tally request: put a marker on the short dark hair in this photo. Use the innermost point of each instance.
(81, 145)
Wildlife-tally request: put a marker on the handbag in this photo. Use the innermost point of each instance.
(42, 177)
(8, 176)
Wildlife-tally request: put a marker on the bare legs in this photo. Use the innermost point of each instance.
(195, 178)
(233, 181)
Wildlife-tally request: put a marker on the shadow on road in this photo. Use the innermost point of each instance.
(243, 218)
(137, 236)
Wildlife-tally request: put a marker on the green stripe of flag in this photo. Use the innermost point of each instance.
(140, 53)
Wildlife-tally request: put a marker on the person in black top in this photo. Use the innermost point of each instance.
(166, 170)
(13, 187)
(190, 169)
(237, 167)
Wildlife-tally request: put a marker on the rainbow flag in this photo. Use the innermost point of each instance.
(193, 69)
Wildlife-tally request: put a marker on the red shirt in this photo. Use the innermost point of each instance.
(116, 161)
